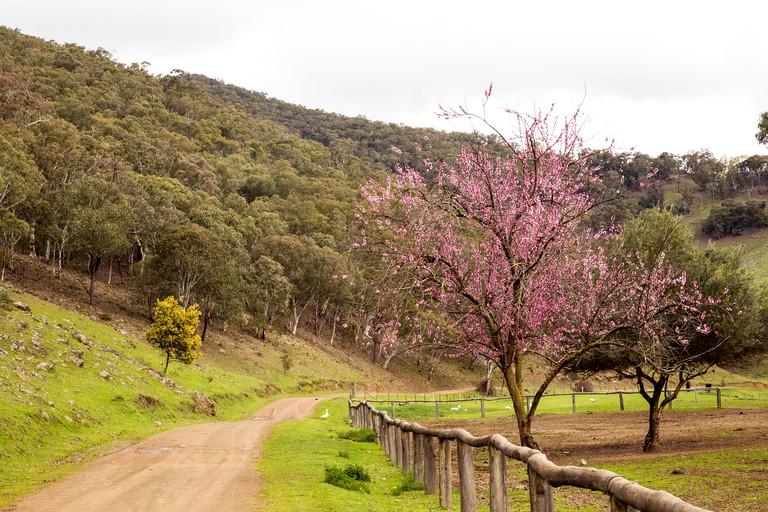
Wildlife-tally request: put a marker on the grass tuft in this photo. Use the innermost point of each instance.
(408, 484)
(351, 477)
(359, 435)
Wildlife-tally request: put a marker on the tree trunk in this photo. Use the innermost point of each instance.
(206, 320)
(167, 360)
(513, 378)
(94, 262)
(653, 441)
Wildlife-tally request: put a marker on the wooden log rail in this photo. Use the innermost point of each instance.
(413, 449)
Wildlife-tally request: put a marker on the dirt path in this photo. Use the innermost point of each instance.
(199, 467)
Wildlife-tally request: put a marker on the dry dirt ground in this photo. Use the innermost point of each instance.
(611, 437)
(196, 468)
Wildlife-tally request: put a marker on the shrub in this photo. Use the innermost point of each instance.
(287, 361)
(408, 484)
(350, 478)
(6, 301)
(360, 435)
(733, 217)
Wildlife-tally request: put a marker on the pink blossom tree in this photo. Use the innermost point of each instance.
(495, 240)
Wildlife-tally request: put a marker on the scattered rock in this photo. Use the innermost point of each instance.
(147, 401)
(44, 415)
(158, 423)
(112, 351)
(77, 361)
(21, 306)
(37, 343)
(583, 462)
(204, 404)
(105, 375)
(44, 366)
(81, 338)
(678, 472)
(18, 346)
(168, 383)
(222, 351)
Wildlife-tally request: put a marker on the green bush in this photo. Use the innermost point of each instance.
(357, 472)
(408, 484)
(360, 435)
(350, 478)
(6, 301)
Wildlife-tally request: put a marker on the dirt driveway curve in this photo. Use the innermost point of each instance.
(196, 468)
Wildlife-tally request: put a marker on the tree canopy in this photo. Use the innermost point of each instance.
(173, 331)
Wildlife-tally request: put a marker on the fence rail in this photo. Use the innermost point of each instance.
(700, 396)
(413, 448)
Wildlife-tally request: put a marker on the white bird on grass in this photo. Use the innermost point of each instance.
(593, 399)
(455, 408)
(325, 416)
(507, 407)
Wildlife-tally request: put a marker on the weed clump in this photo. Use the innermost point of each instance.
(360, 435)
(6, 300)
(352, 477)
(408, 484)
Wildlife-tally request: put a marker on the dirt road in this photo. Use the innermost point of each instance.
(206, 467)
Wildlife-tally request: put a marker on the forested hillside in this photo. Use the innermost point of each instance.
(235, 200)
(173, 180)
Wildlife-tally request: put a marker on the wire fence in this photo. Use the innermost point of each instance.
(472, 404)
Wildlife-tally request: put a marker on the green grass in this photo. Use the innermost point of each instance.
(698, 400)
(293, 464)
(696, 482)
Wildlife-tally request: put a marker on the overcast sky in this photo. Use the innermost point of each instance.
(655, 75)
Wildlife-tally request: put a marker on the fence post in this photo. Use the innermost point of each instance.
(573, 402)
(497, 464)
(398, 447)
(430, 466)
(384, 436)
(437, 409)
(418, 457)
(466, 477)
(719, 403)
(392, 410)
(392, 438)
(376, 427)
(542, 497)
(621, 400)
(618, 506)
(482, 407)
(407, 440)
(446, 483)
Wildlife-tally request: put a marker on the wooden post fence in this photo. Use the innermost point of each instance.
(405, 442)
